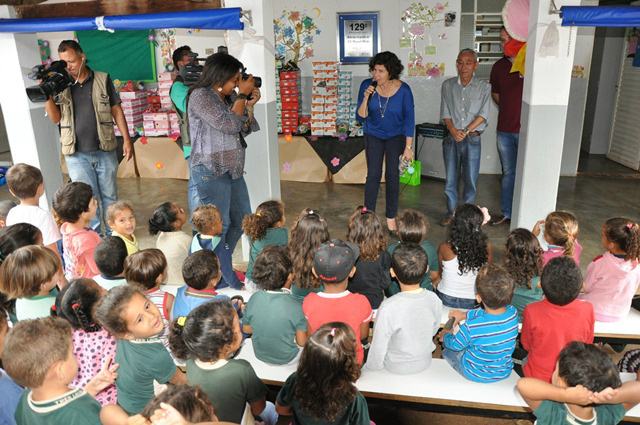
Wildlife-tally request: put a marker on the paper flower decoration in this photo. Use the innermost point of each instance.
(286, 166)
(294, 32)
(288, 137)
(335, 161)
(159, 165)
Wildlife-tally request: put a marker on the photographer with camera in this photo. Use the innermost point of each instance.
(182, 57)
(86, 111)
(219, 119)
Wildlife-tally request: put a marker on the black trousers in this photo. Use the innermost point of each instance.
(376, 150)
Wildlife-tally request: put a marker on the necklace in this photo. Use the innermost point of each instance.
(383, 110)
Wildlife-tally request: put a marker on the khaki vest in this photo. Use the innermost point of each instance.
(104, 117)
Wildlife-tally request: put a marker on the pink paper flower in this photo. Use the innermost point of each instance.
(335, 161)
(286, 166)
(417, 29)
(439, 7)
(294, 16)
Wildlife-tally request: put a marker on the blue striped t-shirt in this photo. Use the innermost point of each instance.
(488, 342)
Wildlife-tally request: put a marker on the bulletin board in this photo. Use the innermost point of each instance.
(125, 55)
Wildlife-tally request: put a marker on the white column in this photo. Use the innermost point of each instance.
(32, 136)
(544, 112)
(262, 165)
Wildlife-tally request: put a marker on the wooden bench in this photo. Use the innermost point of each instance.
(439, 388)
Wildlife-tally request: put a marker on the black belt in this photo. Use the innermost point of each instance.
(473, 134)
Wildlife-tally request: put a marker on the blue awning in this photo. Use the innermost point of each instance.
(600, 16)
(212, 19)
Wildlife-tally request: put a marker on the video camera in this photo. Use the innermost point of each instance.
(54, 80)
(193, 70)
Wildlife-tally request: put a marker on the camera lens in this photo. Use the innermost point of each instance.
(257, 82)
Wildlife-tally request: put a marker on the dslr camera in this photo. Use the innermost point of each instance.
(54, 80)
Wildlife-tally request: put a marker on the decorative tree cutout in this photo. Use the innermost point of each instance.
(418, 18)
(294, 33)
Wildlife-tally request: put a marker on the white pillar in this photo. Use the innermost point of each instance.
(544, 112)
(262, 164)
(32, 136)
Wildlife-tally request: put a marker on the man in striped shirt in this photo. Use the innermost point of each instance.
(481, 350)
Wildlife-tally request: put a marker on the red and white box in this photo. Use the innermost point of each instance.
(138, 94)
(165, 76)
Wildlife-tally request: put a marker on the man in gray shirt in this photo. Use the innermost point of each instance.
(464, 109)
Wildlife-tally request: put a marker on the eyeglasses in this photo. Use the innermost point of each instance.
(465, 63)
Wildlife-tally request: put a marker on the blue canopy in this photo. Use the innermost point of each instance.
(600, 16)
(212, 19)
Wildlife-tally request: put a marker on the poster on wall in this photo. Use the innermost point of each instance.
(358, 37)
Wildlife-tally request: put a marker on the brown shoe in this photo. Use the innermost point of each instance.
(446, 221)
(501, 219)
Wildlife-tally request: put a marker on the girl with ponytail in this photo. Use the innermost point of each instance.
(264, 228)
(561, 234)
(92, 344)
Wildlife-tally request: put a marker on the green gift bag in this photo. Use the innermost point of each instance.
(414, 178)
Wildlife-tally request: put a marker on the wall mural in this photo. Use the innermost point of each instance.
(294, 32)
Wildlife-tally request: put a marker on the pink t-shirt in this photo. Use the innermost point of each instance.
(352, 309)
(91, 350)
(558, 251)
(79, 246)
(610, 284)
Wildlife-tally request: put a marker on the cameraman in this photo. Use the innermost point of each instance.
(86, 111)
(182, 57)
(219, 119)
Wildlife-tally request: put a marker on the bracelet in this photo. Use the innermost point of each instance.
(408, 147)
(249, 110)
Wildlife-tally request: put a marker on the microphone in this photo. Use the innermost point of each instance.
(374, 85)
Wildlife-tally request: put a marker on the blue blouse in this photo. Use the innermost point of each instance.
(399, 115)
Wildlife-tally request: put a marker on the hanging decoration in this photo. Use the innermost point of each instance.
(45, 52)
(167, 46)
(417, 20)
(294, 32)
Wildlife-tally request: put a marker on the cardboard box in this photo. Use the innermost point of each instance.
(164, 92)
(330, 116)
(291, 122)
(317, 116)
(332, 82)
(165, 84)
(133, 94)
(287, 91)
(165, 76)
(331, 99)
(290, 99)
(330, 132)
(329, 123)
(290, 106)
(289, 75)
(317, 107)
(320, 91)
(330, 107)
(317, 99)
(317, 131)
(290, 114)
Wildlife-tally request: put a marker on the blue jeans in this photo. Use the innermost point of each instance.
(269, 415)
(377, 150)
(229, 195)
(461, 159)
(97, 169)
(454, 358)
(194, 199)
(508, 150)
(455, 302)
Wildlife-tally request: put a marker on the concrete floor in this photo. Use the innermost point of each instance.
(592, 199)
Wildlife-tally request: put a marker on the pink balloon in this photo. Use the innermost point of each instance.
(515, 15)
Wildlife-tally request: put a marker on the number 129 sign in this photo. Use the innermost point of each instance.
(358, 37)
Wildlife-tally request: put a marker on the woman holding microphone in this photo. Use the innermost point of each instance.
(386, 108)
(219, 120)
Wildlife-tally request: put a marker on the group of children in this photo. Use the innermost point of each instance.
(104, 312)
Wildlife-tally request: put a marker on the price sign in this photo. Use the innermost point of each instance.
(358, 37)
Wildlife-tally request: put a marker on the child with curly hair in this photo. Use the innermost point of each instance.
(372, 276)
(523, 261)
(323, 390)
(309, 231)
(461, 256)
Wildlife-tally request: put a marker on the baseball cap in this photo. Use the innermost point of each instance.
(334, 260)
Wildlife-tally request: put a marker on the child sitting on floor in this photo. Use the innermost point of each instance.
(548, 325)
(109, 256)
(561, 233)
(264, 228)
(612, 278)
(10, 391)
(307, 233)
(322, 390)
(38, 355)
(585, 389)
(208, 222)
(122, 220)
(92, 344)
(189, 401)
(407, 322)
(334, 264)
(136, 322)
(412, 228)
(75, 205)
(147, 269)
(26, 183)
(481, 350)
(523, 261)
(461, 256)
(206, 339)
(167, 222)
(28, 275)
(372, 276)
(273, 316)
(201, 272)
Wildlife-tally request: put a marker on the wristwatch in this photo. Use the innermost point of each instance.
(466, 131)
(242, 96)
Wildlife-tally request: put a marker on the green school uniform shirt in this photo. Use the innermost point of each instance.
(356, 413)
(300, 293)
(523, 296)
(141, 362)
(34, 307)
(73, 408)
(274, 317)
(229, 384)
(432, 258)
(554, 413)
(277, 237)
